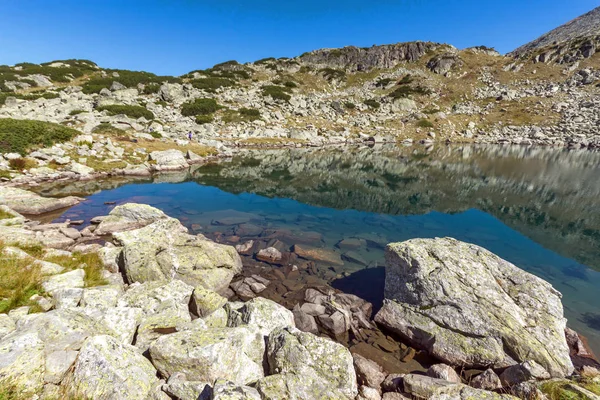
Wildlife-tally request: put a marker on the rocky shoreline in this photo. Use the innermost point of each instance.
(176, 315)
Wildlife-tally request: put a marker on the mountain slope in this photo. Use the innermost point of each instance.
(586, 26)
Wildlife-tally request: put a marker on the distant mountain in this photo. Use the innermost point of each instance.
(580, 35)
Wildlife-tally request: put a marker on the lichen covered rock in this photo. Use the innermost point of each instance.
(164, 250)
(468, 307)
(305, 366)
(107, 369)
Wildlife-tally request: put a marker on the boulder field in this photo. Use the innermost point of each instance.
(161, 326)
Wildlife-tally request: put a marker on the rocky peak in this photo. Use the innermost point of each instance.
(568, 43)
(366, 58)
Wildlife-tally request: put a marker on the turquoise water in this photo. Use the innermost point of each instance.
(537, 209)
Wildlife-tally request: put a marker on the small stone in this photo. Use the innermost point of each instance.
(445, 372)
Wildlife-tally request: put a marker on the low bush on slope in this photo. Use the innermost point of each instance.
(130, 111)
(18, 136)
(199, 107)
(129, 79)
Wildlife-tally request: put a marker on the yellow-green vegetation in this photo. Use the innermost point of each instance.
(76, 112)
(19, 280)
(270, 141)
(241, 115)
(107, 129)
(130, 111)
(100, 165)
(151, 88)
(90, 262)
(21, 164)
(22, 135)
(566, 390)
(5, 215)
(424, 123)
(199, 107)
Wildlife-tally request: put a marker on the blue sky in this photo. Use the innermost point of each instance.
(175, 36)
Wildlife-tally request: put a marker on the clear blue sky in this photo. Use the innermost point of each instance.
(176, 36)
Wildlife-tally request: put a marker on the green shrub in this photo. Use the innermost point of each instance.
(155, 135)
(226, 64)
(405, 91)
(204, 119)
(199, 107)
(264, 60)
(333, 74)
(424, 123)
(372, 103)
(250, 112)
(130, 111)
(21, 135)
(383, 82)
(211, 84)
(277, 92)
(127, 78)
(349, 105)
(290, 84)
(75, 112)
(107, 129)
(20, 164)
(406, 80)
(151, 88)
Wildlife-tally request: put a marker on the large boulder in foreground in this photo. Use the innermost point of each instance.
(107, 369)
(127, 217)
(233, 354)
(468, 307)
(305, 366)
(26, 202)
(164, 250)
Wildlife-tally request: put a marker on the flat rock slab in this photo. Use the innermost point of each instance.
(323, 255)
(26, 202)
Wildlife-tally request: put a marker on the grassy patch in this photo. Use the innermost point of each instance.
(5, 215)
(76, 112)
(22, 135)
(560, 390)
(90, 262)
(105, 128)
(130, 111)
(349, 105)
(199, 107)
(242, 115)
(18, 281)
(424, 123)
(20, 164)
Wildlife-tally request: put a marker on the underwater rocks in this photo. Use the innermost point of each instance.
(26, 202)
(468, 307)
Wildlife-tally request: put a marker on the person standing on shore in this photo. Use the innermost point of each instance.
(190, 136)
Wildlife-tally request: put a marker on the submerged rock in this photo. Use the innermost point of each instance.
(468, 307)
(164, 250)
(26, 202)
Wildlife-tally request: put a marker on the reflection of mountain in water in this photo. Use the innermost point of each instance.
(549, 195)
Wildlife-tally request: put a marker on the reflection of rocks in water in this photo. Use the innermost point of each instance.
(592, 320)
(576, 271)
(547, 194)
